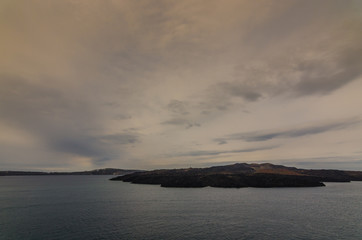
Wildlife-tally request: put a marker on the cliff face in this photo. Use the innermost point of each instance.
(241, 175)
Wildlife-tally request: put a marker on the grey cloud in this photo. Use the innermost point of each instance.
(297, 77)
(181, 122)
(176, 121)
(42, 110)
(125, 138)
(204, 112)
(217, 100)
(221, 141)
(177, 107)
(99, 148)
(312, 61)
(291, 132)
(25, 104)
(296, 16)
(240, 90)
(86, 146)
(64, 124)
(123, 116)
(111, 104)
(319, 78)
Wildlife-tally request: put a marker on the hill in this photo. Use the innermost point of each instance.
(241, 175)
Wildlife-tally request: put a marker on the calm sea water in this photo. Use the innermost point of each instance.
(91, 207)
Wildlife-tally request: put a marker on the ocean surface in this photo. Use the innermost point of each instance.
(91, 207)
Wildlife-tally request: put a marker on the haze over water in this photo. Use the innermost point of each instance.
(91, 207)
(167, 84)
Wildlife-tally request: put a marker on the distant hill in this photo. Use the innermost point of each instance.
(241, 175)
(104, 171)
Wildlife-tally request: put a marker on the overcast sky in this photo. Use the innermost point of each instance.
(164, 84)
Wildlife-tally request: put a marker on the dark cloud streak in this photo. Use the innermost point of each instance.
(212, 153)
(289, 133)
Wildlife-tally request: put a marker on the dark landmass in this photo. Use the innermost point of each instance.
(241, 175)
(104, 171)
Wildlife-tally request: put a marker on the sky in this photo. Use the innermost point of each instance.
(171, 84)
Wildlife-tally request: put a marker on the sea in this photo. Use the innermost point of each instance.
(92, 207)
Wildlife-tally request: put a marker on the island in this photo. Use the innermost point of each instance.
(240, 175)
(103, 171)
